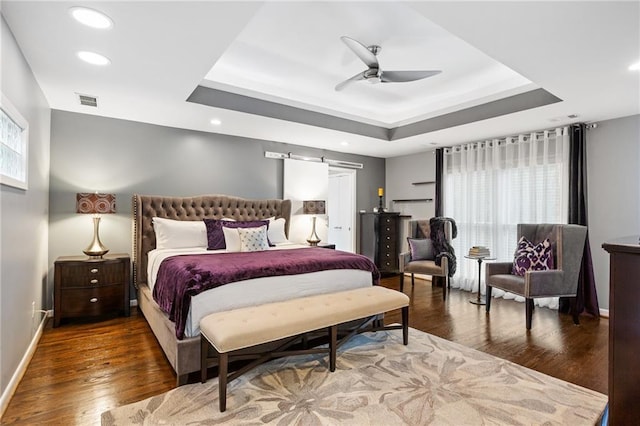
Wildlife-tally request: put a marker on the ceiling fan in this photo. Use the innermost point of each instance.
(374, 74)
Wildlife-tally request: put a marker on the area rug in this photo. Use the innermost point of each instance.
(378, 381)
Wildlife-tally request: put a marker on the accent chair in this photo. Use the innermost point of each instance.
(567, 246)
(420, 230)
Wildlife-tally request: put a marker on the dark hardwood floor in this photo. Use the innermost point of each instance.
(80, 369)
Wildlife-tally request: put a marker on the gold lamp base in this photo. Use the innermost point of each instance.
(313, 239)
(96, 249)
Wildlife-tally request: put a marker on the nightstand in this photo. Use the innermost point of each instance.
(86, 287)
(327, 246)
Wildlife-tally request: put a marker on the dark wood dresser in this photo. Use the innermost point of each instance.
(379, 235)
(85, 287)
(624, 330)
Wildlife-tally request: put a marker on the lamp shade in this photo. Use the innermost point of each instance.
(94, 203)
(313, 207)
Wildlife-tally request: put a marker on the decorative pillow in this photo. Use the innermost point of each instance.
(253, 239)
(421, 249)
(230, 233)
(215, 237)
(231, 239)
(276, 233)
(179, 233)
(532, 257)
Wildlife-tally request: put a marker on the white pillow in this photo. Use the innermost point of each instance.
(179, 233)
(276, 232)
(253, 239)
(231, 238)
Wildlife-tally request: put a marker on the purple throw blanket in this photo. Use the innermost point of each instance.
(182, 276)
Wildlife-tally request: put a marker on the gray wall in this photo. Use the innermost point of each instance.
(401, 175)
(90, 153)
(23, 215)
(613, 173)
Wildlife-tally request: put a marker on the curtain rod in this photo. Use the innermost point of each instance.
(515, 138)
(588, 126)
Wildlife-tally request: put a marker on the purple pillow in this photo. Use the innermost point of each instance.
(421, 249)
(215, 236)
(532, 257)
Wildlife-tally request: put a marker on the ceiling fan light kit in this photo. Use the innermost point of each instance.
(368, 55)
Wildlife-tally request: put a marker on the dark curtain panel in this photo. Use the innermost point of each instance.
(587, 298)
(439, 281)
(439, 171)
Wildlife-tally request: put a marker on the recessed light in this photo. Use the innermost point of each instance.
(344, 143)
(91, 18)
(93, 58)
(216, 121)
(634, 67)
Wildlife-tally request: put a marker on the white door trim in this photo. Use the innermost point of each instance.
(352, 174)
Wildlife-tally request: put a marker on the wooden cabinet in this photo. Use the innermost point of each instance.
(624, 330)
(379, 235)
(86, 287)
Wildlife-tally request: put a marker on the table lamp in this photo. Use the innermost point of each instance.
(313, 207)
(95, 204)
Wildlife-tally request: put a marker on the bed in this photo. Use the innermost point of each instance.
(180, 340)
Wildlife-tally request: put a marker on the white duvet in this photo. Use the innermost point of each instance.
(258, 290)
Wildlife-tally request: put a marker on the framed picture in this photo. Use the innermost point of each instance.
(14, 146)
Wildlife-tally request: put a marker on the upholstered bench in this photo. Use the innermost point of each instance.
(232, 331)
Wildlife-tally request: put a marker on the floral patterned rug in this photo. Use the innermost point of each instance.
(378, 381)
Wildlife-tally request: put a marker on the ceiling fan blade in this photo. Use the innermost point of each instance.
(361, 50)
(359, 76)
(403, 76)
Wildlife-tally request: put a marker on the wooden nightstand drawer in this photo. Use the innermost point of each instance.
(86, 287)
(91, 274)
(86, 302)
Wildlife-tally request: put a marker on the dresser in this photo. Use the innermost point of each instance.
(86, 287)
(624, 330)
(379, 235)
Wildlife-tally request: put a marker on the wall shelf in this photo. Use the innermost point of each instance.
(423, 183)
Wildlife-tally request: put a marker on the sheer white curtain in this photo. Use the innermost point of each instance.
(491, 186)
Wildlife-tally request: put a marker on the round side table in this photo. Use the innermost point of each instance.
(479, 300)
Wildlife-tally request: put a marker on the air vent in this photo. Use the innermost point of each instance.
(87, 100)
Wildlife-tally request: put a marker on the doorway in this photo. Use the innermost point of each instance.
(341, 208)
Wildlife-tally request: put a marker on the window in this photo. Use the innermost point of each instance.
(14, 145)
(491, 186)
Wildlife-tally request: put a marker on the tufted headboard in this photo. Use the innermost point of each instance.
(145, 207)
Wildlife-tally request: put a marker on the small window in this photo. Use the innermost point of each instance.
(14, 145)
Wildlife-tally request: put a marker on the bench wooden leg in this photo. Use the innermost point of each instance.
(405, 325)
(378, 321)
(333, 343)
(204, 351)
(223, 363)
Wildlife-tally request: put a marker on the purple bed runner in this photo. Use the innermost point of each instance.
(183, 276)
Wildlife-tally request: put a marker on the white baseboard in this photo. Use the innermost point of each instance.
(604, 313)
(22, 366)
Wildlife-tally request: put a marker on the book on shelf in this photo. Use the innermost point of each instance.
(479, 251)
